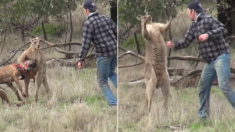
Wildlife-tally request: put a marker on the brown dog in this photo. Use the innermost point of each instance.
(12, 72)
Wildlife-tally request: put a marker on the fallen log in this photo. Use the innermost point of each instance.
(193, 77)
(125, 66)
(89, 62)
(69, 53)
(193, 73)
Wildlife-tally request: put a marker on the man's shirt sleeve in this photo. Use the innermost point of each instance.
(218, 29)
(186, 41)
(86, 41)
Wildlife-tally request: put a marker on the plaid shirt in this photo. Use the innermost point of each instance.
(211, 48)
(101, 31)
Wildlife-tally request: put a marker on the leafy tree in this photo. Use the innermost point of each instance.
(128, 10)
(15, 12)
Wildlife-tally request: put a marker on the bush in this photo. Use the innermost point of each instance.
(52, 30)
(131, 44)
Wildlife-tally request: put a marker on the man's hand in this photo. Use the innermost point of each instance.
(203, 37)
(80, 63)
(170, 44)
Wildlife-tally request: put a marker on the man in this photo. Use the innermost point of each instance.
(215, 51)
(101, 31)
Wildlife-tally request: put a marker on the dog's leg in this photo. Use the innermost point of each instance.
(16, 79)
(165, 87)
(3, 96)
(15, 90)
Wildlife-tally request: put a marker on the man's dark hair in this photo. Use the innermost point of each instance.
(90, 5)
(92, 10)
(195, 5)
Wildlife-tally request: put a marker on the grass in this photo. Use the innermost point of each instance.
(182, 112)
(76, 104)
(183, 105)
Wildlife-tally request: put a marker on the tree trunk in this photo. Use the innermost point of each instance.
(4, 40)
(44, 31)
(233, 21)
(137, 44)
(170, 37)
(71, 27)
(22, 30)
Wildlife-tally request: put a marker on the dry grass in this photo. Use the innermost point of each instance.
(182, 112)
(76, 104)
(183, 104)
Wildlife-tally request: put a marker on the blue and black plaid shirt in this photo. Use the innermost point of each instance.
(211, 48)
(101, 31)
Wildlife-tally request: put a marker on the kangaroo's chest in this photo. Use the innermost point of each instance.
(36, 55)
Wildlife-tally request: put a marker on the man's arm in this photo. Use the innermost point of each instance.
(87, 36)
(186, 41)
(218, 29)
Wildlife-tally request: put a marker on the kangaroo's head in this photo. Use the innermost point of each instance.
(35, 43)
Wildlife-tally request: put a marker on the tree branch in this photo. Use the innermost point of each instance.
(195, 72)
(131, 52)
(131, 65)
(69, 53)
(3, 63)
(185, 58)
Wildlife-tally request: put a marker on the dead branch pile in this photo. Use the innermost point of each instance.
(183, 77)
(69, 62)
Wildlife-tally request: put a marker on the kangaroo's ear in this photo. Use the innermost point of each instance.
(37, 38)
(31, 40)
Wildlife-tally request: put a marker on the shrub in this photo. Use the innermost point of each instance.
(52, 30)
(131, 44)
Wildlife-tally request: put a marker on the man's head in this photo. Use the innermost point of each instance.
(89, 6)
(194, 8)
